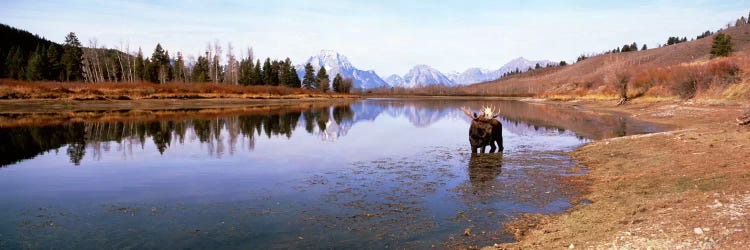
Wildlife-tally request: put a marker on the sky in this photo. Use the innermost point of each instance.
(387, 36)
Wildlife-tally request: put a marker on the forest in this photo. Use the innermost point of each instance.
(24, 56)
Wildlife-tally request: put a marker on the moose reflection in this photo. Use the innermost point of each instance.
(485, 130)
(483, 169)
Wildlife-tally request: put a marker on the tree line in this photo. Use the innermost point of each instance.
(24, 56)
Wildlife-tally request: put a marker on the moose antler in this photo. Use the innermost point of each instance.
(467, 112)
(489, 112)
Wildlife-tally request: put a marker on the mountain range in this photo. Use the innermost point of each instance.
(419, 75)
(336, 63)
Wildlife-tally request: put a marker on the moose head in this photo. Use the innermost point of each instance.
(485, 130)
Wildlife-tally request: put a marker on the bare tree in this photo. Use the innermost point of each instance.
(230, 73)
(217, 61)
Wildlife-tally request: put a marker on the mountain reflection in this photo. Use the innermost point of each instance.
(222, 133)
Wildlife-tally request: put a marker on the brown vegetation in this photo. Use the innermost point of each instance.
(151, 111)
(686, 188)
(13, 89)
(684, 70)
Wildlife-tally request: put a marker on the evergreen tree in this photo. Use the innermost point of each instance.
(150, 70)
(178, 68)
(284, 76)
(71, 59)
(275, 72)
(247, 70)
(322, 79)
(139, 65)
(258, 74)
(721, 46)
(15, 64)
(159, 65)
(634, 47)
(644, 47)
(308, 81)
(537, 66)
(200, 70)
(53, 63)
(563, 63)
(35, 67)
(337, 83)
(267, 72)
(294, 81)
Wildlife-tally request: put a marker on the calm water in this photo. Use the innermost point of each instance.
(373, 174)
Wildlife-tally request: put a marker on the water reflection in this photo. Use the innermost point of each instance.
(372, 174)
(223, 133)
(484, 168)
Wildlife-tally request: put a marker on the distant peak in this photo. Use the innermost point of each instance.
(328, 52)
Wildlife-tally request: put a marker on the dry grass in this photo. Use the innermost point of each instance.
(12, 89)
(683, 70)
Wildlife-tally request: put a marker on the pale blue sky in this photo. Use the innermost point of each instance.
(386, 36)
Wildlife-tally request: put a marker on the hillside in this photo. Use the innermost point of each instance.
(23, 41)
(658, 69)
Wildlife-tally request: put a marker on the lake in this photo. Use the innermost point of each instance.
(376, 173)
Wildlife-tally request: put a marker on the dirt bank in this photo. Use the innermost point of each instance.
(686, 188)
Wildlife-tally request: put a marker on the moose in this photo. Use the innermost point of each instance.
(485, 130)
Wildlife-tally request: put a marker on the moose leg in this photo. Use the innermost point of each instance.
(492, 147)
(483, 148)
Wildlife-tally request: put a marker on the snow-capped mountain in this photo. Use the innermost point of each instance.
(336, 63)
(475, 75)
(395, 80)
(422, 75)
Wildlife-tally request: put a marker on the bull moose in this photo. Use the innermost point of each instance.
(485, 130)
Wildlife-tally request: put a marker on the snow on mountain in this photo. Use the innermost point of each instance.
(336, 63)
(476, 75)
(423, 75)
(395, 80)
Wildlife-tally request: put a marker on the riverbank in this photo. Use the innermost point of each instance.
(686, 188)
(15, 113)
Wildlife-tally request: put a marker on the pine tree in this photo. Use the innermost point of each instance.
(308, 81)
(247, 70)
(563, 63)
(15, 63)
(53, 63)
(200, 70)
(258, 74)
(71, 59)
(139, 65)
(721, 46)
(35, 67)
(337, 83)
(284, 76)
(178, 68)
(294, 81)
(322, 79)
(644, 47)
(267, 72)
(159, 65)
(275, 73)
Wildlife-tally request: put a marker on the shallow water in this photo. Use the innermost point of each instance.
(377, 173)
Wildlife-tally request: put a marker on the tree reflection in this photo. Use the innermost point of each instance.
(27, 142)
